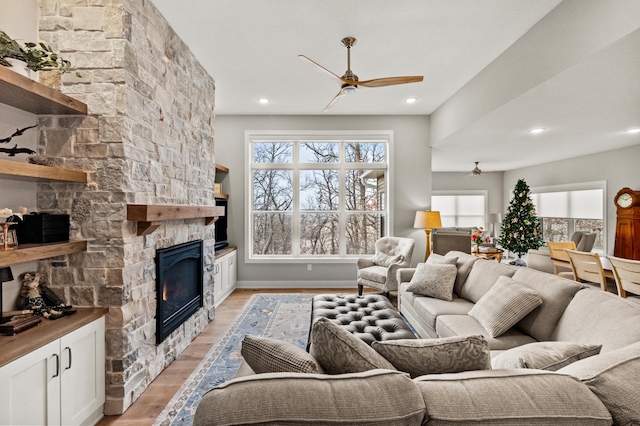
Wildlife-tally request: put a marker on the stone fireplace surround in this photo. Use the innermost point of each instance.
(148, 139)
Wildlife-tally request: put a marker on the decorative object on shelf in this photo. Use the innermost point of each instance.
(627, 242)
(15, 150)
(492, 219)
(477, 238)
(5, 276)
(42, 228)
(38, 57)
(9, 240)
(35, 295)
(427, 220)
(521, 226)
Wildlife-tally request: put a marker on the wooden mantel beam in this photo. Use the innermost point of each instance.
(150, 216)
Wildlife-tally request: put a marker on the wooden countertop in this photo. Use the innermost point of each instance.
(13, 347)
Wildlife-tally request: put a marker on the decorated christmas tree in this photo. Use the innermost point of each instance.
(521, 227)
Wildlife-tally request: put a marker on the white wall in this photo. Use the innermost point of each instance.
(411, 189)
(619, 168)
(19, 19)
(491, 182)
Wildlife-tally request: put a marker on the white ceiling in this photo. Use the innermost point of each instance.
(250, 47)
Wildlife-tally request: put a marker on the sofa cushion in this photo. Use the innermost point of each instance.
(464, 325)
(383, 259)
(544, 355)
(506, 303)
(430, 309)
(556, 294)
(509, 397)
(465, 263)
(437, 259)
(339, 351)
(614, 377)
(598, 317)
(314, 399)
(482, 277)
(265, 355)
(374, 273)
(433, 356)
(433, 280)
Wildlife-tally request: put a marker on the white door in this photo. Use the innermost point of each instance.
(30, 388)
(82, 374)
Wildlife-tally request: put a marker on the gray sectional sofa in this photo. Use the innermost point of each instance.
(597, 390)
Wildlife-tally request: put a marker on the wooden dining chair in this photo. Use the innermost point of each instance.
(587, 267)
(627, 275)
(559, 257)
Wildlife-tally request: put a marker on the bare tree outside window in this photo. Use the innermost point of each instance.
(341, 204)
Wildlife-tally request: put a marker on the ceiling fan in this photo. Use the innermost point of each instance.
(349, 81)
(476, 171)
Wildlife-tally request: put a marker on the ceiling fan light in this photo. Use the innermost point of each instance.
(349, 89)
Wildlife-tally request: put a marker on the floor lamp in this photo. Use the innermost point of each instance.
(494, 218)
(427, 220)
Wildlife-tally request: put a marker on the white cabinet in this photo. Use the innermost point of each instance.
(224, 274)
(60, 383)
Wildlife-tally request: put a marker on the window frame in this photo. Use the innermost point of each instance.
(343, 136)
(580, 186)
(472, 192)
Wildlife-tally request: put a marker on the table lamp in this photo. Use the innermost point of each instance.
(5, 276)
(427, 220)
(494, 218)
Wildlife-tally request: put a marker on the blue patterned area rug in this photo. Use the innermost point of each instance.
(280, 316)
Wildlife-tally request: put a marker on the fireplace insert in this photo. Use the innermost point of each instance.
(179, 292)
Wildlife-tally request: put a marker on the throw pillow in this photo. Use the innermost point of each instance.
(265, 355)
(613, 377)
(438, 259)
(338, 351)
(436, 356)
(382, 259)
(506, 303)
(544, 355)
(434, 281)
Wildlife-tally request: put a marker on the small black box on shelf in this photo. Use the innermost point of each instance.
(43, 228)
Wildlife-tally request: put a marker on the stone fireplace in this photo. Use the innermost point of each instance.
(148, 139)
(178, 286)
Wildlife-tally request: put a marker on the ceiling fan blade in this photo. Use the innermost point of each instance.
(390, 81)
(320, 67)
(335, 100)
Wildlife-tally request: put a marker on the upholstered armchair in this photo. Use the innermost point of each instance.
(379, 271)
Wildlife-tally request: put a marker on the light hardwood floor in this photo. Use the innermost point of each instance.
(151, 403)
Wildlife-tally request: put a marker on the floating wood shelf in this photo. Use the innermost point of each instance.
(221, 196)
(221, 169)
(23, 93)
(29, 252)
(27, 171)
(150, 216)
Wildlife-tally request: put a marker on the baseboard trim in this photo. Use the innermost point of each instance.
(297, 284)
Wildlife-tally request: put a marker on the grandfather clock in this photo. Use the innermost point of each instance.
(627, 243)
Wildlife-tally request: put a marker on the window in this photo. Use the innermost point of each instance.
(458, 209)
(320, 195)
(566, 209)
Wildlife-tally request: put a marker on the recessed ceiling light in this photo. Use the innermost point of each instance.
(536, 131)
(633, 131)
(411, 100)
(263, 101)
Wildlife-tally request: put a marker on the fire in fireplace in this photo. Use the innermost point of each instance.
(179, 272)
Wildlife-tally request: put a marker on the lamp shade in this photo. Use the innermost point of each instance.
(5, 275)
(427, 220)
(494, 218)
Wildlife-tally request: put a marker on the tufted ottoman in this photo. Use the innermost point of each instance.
(371, 317)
